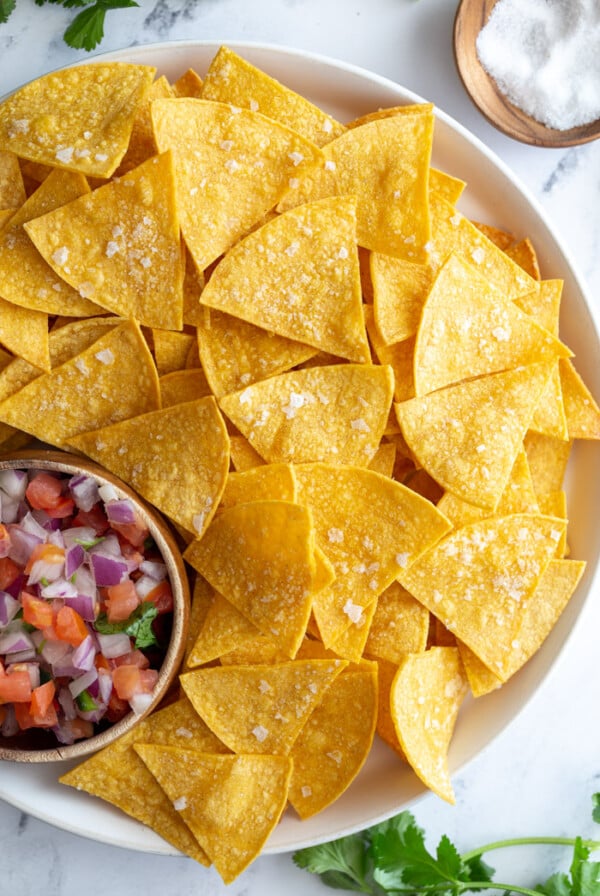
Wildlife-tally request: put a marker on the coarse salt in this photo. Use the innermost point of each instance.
(544, 56)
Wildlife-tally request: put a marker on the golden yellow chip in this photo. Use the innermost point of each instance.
(298, 276)
(366, 559)
(491, 334)
(188, 84)
(230, 803)
(549, 417)
(385, 725)
(335, 741)
(171, 350)
(118, 775)
(547, 458)
(555, 504)
(260, 556)
(400, 357)
(78, 118)
(351, 642)
(425, 696)
(525, 256)
(333, 414)
(478, 580)
(25, 277)
(451, 188)
(177, 458)
(142, 144)
(231, 79)
(399, 291)
(201, 602)
(267, 705)
(384, 459)
(235, 354)
(581, 410)
(232, 167)
(400, 625)
(193, 284)
(275, 482)
(12, 189)
(119, 246)
(86, 392)
(500, 238)
(24, 332)
(243, 455)
(481, 679)
(544, 304)
(183, 385)
(223, 629)
(254, 650)
(467, 436)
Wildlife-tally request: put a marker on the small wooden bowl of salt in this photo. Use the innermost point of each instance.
(533, 70)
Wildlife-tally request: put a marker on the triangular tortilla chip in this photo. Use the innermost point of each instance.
(298, 275)
(177, 458)
(275, 482)
(87, 392)
(581, 410)
(12, 189)
(399, 291)
(183, 385)
(230, 803)
(467, 328)
(484, 574)
(24, 332)
(344, 721)
(467, 436)
(333, 414)
(120, 247)
(260, 556)
(232, 167)
(400, 625)
(223, 629)
(142, 144)
(267, 705)
(79, 118)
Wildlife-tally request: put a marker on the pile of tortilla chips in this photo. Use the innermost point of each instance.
(351, 401)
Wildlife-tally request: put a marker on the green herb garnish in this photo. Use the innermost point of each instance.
(392, 858)
(138, 625)
(86, 30)
(86, 702)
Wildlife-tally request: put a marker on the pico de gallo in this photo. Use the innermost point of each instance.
(85, 606)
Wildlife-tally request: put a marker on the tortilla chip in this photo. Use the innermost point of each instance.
(12, 189)
(399, 291)
(467, 436)
(544, 304)
(547, 458)
(243, 455)
(230, 803)
(332, 414)
(384, 459)
(24, 332)
(78, 118)
(171, 350)
(549, 416)
(501, 238)
(223, 629)
(426, 695)
(525, 256)
(400, 625)
(183, 385)
(275, 482)
(86, 392)
(298, 276)
(177, 458)
(120, 246)
(188, 84)
(267, 704)
(231, 79)
(232, 167)
(142, 145)
(581, 410)
(451, 188)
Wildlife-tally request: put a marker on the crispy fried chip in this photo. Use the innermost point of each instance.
(77, 118)
(243, 455)
(478, 580)
(120, 246)
(223, 629)
(451, 188)
(86, 392)
(177, 458)
(384, 459)
(334, 414)
(525, 256)
(335, 741)
(425, 696)
(142, 144)
(188, 84)
(496, 335)
(230, 803)
(400, 625)
(298, 275)
(267, 704)
(171, 350)
(399, 291)
(24, 332)
(231, 79)
(183, 385)
(547, 458)
(235, 354)
(276, 482)
(12, 189)
(500, 238)
(581, 410)
(366, 560)
(260, 556)
(467, 436)
(232, 167)
(118, 775)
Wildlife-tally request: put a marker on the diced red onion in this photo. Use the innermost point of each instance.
(31, 525)
(15, 588)
(93, 715)
(10, 726)
(107, 570)
(9, 607)
(43, 570)
(49, 524)
(22, 543)
(67, 702)
(84, 604)
(109, 547)
(105, 685)
(55, 652)
(9, 509)
(84, 491)
(59, 588)
(23, 656)
(144, 586)
(15, 640)
(14, 483)
(120, 511)
(82, 682)
(84, 655)
(80, 535)
(74, 557)
(140, 703)
(114, 645)
(154, 569)
(108, 493)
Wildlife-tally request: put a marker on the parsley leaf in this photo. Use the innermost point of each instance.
(138, 625)
(6, 7)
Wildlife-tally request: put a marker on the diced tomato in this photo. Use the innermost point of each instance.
(77, 728)
(131, 554)
(161, 597)
(3, 714)
(135, 533)
(117, 708)
(127, 681)
(148, 679)
(44, 492)
(48, 554)
(94, 518)
(122, 601)
(24, 718)
(133, 658)
(4, 540)
(36, 611)
(46, 720)
(70, 627)
(41, 699)
(15, 688)
(9, 572)
(100, 662)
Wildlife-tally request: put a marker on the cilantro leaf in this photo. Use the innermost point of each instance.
(138, 625)
(6, 7)
(87, 28)
(584, 874)
(557, 885)
(341, 864)
(596, 807)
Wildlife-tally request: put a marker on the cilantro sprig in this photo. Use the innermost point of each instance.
(86, 30)
(138, 625)
(391, 859)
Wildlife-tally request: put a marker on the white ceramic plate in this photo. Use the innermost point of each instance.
(385, 785)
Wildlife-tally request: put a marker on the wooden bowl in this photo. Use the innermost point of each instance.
(471, 16)
(25, 747)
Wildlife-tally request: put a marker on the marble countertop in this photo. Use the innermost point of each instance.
(537, 777)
